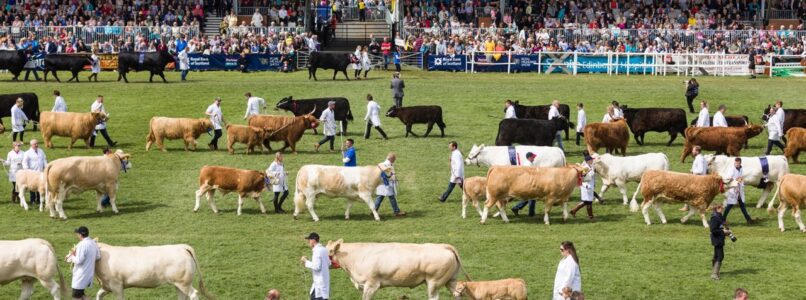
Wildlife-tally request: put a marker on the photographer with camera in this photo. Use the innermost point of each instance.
(718, 232)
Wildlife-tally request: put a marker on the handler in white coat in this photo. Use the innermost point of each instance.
(18, 120)
(328, 126)
(83, 257)
(704, 118)
(568, 274)
(698, 167)
(184, 63)
(736, 194)
(320, 267)
(95, 66)
(59, 105)
(719, 117)
(373, 118)
(774, 131)
(554, 112)
(279, 181)
(14, 163)
(457, 171)
(253, 105)
(98, 106)
(34, 159)
(509, 110)
(358, 64)
(389, 186)
(582, 120)
(587, 188)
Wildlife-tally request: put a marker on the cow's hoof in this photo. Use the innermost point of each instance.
(116, 212)
(215, 212)
(803, 230)
(782, 230)
(316, 220)
(295, 217)
(98, 211)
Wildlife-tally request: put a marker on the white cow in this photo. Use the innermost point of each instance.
(486, 156)
(618, 170)
(372, 266)
(751, 170)
(353, 183)
(148, 267)
(29, 260)
(30, 180)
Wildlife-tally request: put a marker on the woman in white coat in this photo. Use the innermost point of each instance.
(366, 62)
(184, 63)
(14, 163)
(774, 131)
(736, 194)
(356, 62)
(586, 190)
(568, 277)
(18, 119)
(95, 67)
(373, 118)
(278, 181)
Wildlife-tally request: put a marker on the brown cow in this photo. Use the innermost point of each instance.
(511, 288)
(612, 136)
(283, 128)
(176, 128)
(795, 142)
(792, 193)
(555, 185)
(251, 136)
(475, 190)
(69, 124)
(247, 183)
(695, 190)
(723, 140)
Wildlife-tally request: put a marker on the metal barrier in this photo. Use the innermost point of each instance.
(101, 34)
(374, 13)
(241, 31)
(782, 14)
(407, 59)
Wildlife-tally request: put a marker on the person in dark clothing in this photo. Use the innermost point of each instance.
(692, 90)
(751, 67)
(243, 63)
(718, 230)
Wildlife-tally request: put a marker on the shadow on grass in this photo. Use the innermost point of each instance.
(744, 271)
(123, 208)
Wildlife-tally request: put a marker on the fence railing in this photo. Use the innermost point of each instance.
(240, 31)
(101, 34)
(782, 14)
(375, 13)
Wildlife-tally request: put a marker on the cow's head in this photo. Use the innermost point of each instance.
(286, 103)
(753, 130)
(598, 165)
(473, 155)
(392, 112)
(311, 122)
(460, 289)
(204, 125)
(334, 247)
(765, 114)
(99, 116)
(123, 158)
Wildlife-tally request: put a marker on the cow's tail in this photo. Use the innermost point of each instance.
(202, 289)
(151, 137)
(777, 190)
(349, 114)
(48, 202)
(459, 261)
(62, 287)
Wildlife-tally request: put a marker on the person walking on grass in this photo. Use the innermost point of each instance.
(253, 105)
(586, 193)
(356, 62)
(568, 274)
(319, 264)
(34, 159)
(389, 186)
(457, 171)
(373, 118)
(774, 131)
(59, 105)
(554, 112)
(328, 126)
(18, 120)
(692, 91)
(718, 230)
(698, 167)
(719, 117)
(509, 110)
(279, 182)
(98, 106)
(95, 66)
(397, 87)
(14, 162)
(704, 118)
(530, 157)
(217, 119)
(736, 194)
(348, 154)
(366, 61)
(83, 257)
(582, 120)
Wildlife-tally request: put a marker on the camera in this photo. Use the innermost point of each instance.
(730, 234)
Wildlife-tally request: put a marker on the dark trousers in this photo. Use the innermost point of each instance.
(105, 201)
(93, 75)
(776, 143)
(104, 134)
(14, 136)
(362, 15)
(521, 204)
(741, 206)
(397, 67)
(392, 200)
(399, 101)
(184, 74)
(28, 72)
(216, 136)
(719, 254)
(690, 100)
(447, 193)
(14, 193)
(34, 197)
(580, 135)
(368, 130)
(316, 298)
(331, 138)
(278, 205)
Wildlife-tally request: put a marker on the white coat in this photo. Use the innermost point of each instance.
(99, 107)
(567, 276)
(607, 118)
(253, 105)
(774, 130)
(373, 113)
(510, 113)
(735, 192)
(781, 117)
(366, 62)
(719, 120)
(59, 105)
(14, 163)
(34, 160)
(457, 167)
(387, 190)
(704, 118)
(357, 65)
(87, 254)
(699, 167)
(582, 120)
(320, 267)
(554, 113)
(618, 113)
(96, 64)
(184, 60)
(588, 184)
(329, 122)
(278, 170)
(18, 119)
(216, 115)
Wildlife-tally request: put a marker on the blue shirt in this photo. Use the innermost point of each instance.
(350, 153)
(181, 44)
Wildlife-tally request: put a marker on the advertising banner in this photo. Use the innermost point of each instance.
(255, 62)
(447, 62)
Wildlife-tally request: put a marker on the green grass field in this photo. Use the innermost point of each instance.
(242, 257)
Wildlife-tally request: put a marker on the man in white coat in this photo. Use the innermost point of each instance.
(719, 117)
(98, 106)
(774, 131)
(18, 120)
(217, 118)
(329, 126)
(554, 112)
(34, 159)
(704, 118)
(779, 112)
(389, 186)
(253, 105)
(698, 167)
(320, 267)
(457, 171)
(95, 66)
(509, 110)
(373, 118)
(736, 194)
(14, 162)
(59, 105)
(582, 120)
(587, 187)
(83, 258)
(184, 63)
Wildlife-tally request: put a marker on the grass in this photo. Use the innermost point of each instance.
(242, 257)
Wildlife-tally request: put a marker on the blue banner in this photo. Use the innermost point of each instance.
(520, 63)
(255, 62)
(447, 62)
(598, 64)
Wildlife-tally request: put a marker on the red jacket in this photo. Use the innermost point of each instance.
(386, 48)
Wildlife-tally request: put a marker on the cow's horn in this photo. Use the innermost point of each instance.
(313, 111)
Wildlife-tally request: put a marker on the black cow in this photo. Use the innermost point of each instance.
(792, 117)
(411, 115)
(529, 131)
(342, 112)
(335, 61)
(154, 62)
(30, 106)
(643, 120)
(13, 61)
(65, 62)
(541, 112)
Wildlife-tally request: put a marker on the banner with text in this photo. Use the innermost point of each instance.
(255, 62)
